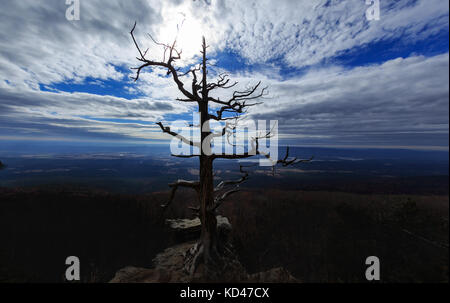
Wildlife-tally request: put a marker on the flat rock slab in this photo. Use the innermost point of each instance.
(183, 224)
(189, 229)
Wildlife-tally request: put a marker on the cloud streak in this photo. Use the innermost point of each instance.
(403, 101)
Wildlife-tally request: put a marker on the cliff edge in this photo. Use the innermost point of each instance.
(169, 265)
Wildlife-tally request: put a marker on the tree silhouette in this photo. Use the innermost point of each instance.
(209, 248)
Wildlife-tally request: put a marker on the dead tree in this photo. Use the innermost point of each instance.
(208, 248)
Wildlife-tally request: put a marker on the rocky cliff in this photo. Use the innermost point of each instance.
(169, 265)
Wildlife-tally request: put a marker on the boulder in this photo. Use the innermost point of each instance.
(169, 265)
(189, 229)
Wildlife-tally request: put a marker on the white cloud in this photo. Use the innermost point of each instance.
(39, 45)
(403, 97)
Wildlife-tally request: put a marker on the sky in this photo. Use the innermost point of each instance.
(334, 77)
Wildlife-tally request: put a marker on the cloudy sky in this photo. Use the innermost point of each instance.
(334, 77)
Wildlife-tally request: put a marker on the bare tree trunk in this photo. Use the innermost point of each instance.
(208, 237)
(207, 248)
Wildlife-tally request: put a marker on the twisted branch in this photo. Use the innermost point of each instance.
(174, 186)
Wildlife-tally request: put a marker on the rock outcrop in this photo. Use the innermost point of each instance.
(169, 265)
(189, 229)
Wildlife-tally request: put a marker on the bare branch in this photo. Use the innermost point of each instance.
(175, 185)
(222, 82)
(239, 102)
(167, 130)
(286, 162)
(195, 209)
(256, 151)
(184, 156)
(220, 198)
(224, 183)
(174, 54)
(227, 129)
